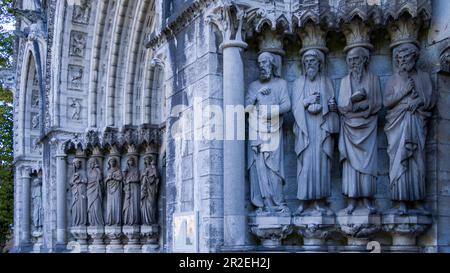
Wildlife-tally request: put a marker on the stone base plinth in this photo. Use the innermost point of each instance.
(150, 236)
(404, 229)
(132, 233)
(358, 227)
(97, 234)
(315, 229)
(270, 229)
(81, 236)
(114, 234)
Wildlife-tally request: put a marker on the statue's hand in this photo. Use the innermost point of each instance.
(265, 91)
(332, 106)
(410, 86)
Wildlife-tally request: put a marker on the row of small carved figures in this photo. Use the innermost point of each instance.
(131, 196)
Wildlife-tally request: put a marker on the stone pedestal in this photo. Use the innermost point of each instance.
(358, 227)
(114, 234)
(315, 229)
(271, 229)
(97, 234)
(81, 236)
(404, 230)
(150, 236)
(133, 235)
(38, 241)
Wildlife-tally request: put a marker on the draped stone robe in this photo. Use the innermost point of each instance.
(149, 194)
(95, 198)
(36, 196)
(406, 133)
(313, 143)
(79, 198)
(265, 165)
(358, 137)
(131, 188)
(113, 201)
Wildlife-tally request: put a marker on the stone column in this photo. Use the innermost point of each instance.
(26, 208)
(61, 199)
(235, 216)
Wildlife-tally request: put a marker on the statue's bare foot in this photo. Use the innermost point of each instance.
(419, 207)
(368, 205)
(402, 209)
(299, 211)
(350, 209)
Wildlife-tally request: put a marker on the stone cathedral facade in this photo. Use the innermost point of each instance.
(226, 125)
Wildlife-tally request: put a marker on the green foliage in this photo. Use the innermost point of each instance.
(6, 126)
(6, 37)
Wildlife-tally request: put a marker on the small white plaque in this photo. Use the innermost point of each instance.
(185, 232)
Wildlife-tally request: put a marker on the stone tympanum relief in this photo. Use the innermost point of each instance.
(266, 101)
(316, 119)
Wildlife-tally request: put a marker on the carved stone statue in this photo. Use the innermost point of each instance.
(266, 102)
(81, 12)
(113, 183)
(131, 189)
(76, 109)
(149, 192)
(79, 198)
(315, 112)
(359, 103)
(409, 99)
(36, 197)
(95, 194)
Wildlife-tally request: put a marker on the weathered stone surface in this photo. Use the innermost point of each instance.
(95, 83)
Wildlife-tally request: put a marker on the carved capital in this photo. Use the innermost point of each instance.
(357, 33)
(313, 37)
(229, 18)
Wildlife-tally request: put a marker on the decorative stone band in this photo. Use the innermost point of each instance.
(233, 43)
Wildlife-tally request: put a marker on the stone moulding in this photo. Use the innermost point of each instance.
(295, 16)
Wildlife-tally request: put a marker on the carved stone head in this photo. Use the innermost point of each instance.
(313, 61)
(148, 161)
(357, 61)
(131, 162)
(267, 66)
(406, 56)
(77, 164)
(93, 163)
(112, 163)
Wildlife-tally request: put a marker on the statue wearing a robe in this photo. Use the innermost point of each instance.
(95, 194)
(36, 197)
(131, 189)
(266, 101)
(149, 192)
(78, 184)
(409, 99)
(315, 112)
(359, 103)
(113, 183)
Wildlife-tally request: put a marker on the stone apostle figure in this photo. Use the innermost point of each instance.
(359, 103)
(149, 192)
(95, 194)
(315, 112)
(79, 191)
(113, 183)
(131, 189)
(266, 102)
(36, 197)
(409, 99)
